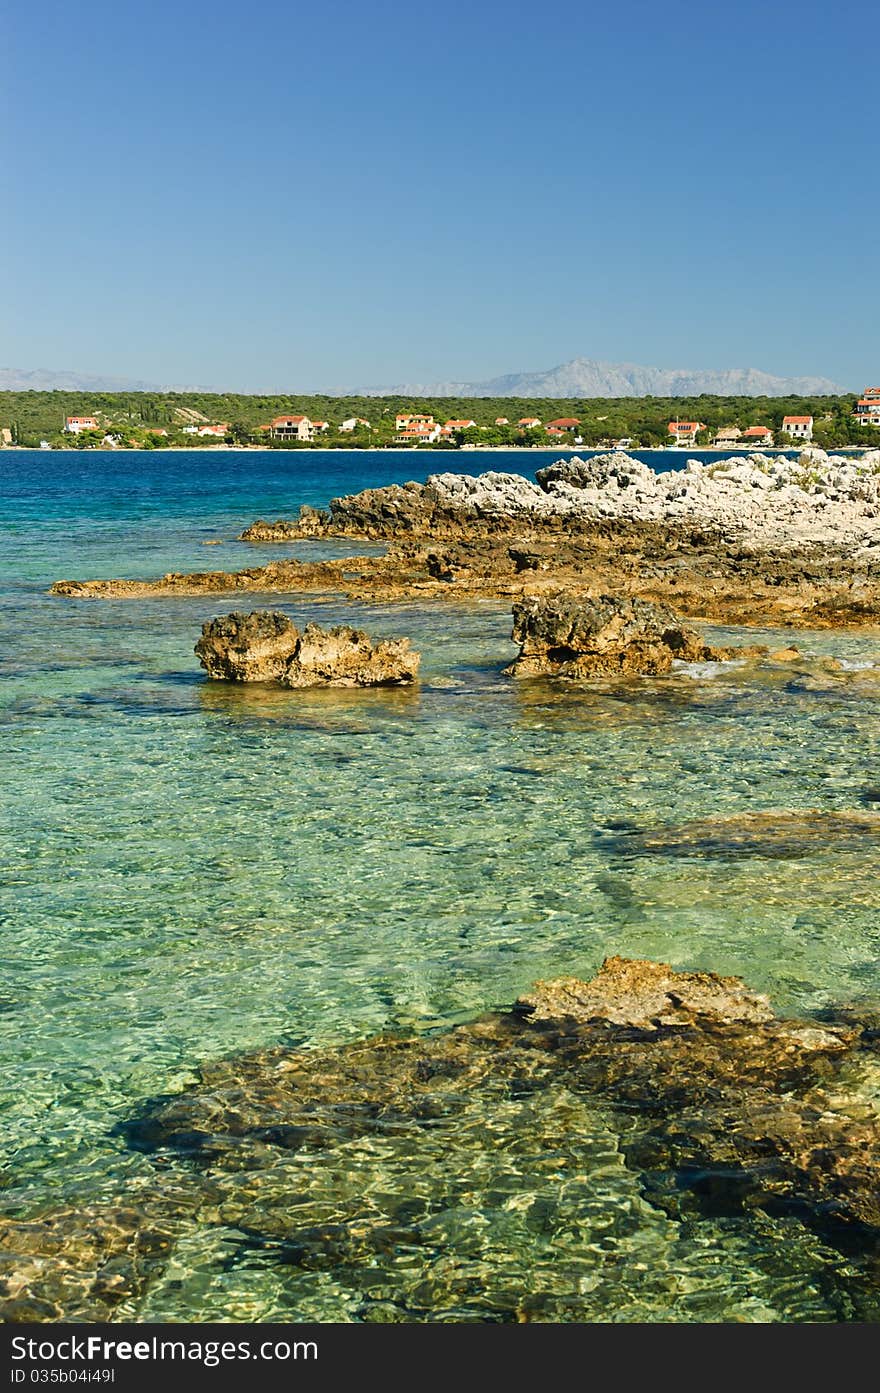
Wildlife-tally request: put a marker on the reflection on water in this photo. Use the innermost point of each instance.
(340, 710)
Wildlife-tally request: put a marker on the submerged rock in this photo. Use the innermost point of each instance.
(603, 637)
(266, 646)
(403, 1166)
(780, 835)
(278, 531)
(87, 1261)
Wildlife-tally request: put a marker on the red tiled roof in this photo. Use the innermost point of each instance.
(758, 430)
(685, 425)
(288, 420)
(796, 420)
(565, 422)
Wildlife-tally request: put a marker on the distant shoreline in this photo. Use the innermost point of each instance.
(687, 451)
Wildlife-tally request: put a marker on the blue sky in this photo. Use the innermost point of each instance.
(284, 196)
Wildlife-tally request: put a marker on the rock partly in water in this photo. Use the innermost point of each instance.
(394, 1163)
(312, 522)
(698, 1063)
(265, 646)
(603, 637)
(647, 996)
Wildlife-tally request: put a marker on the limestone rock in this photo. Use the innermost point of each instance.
(311, 523)
(602, 637)
(278, 531)
(265, 646)
(767, 500)
(646, 995)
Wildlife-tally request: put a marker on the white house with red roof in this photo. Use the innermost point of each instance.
(412, 418)
(685, 432)
(292, 428)
(798, 427)
(74, 424)
(218, 431)
(416, 429)
(867, 410)
(563, 423)
(529, 422)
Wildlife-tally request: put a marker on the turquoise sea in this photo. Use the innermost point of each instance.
(189, 871)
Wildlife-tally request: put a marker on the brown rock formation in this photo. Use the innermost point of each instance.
(647, 996)
(602, 637)
(266, 646)
(700, 573)
(723, 1088)
(311, 523)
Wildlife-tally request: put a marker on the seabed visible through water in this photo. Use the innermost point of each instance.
(191, 872)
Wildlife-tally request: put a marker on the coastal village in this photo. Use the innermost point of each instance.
(412, 429)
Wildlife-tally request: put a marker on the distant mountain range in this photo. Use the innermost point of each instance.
(582, 377)
(585, 377)
(48, 380)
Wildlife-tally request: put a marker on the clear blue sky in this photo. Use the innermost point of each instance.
(286, 196)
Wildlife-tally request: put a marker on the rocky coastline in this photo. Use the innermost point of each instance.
(762, 500)
(758, 541)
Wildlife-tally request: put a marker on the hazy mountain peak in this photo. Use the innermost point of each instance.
(587, 377)
(581, 377)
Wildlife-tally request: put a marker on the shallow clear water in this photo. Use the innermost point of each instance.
(190, 870)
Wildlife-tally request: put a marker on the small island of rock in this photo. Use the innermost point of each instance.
(608, 636)
(266, 646)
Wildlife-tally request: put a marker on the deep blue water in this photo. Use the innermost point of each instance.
(228, 485)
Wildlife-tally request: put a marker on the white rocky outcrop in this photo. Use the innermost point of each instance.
(764, 498)
(492, 494)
